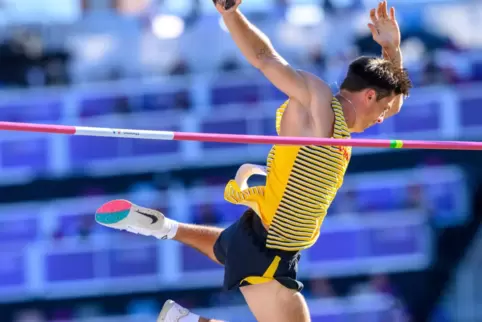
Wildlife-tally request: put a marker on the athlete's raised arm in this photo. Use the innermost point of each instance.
(386, 33)
(258, 50)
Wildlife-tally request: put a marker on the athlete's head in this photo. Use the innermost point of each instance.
(373, 83)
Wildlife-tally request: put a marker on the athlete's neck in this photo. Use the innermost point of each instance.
(349, 110)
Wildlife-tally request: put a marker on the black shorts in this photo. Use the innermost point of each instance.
(241, 248)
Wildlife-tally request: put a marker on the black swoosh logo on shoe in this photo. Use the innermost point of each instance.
(154, 218)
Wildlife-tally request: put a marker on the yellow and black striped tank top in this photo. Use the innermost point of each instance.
(301, 183)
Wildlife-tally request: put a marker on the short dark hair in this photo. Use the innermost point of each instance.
(379, 74)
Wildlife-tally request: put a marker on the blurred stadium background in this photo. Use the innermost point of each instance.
(402, 241)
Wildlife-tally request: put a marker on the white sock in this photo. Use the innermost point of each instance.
(190, 318)
(169, 230)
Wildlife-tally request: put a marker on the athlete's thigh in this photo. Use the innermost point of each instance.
(272, 301)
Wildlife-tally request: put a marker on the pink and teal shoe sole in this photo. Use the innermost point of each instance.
(113, 211)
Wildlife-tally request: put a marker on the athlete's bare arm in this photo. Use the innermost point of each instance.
(386, 33)
(395, 55)
(304, 89)
(258, 50)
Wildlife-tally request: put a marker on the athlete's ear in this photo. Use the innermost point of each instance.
(370, 96)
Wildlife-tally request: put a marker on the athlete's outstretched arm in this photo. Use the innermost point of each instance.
(258, 50)
(386, 33)
(395, 56)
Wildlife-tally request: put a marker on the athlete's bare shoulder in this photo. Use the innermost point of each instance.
(321, 113)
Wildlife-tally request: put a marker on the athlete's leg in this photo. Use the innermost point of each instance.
(124, 215)
(198, 237)
(272, 301)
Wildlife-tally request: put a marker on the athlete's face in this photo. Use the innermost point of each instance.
(374, 110)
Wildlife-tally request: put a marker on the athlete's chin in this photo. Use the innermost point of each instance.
(369, 126)
(358, 130)
(362, 128)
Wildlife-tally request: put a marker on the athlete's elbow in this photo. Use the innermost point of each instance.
(266, 58)
(258, 64)
(261, 64)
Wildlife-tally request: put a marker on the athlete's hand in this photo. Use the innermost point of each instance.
(227, 6)
(384, 26)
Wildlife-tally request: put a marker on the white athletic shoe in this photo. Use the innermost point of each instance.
(124, 215)
(172, 312)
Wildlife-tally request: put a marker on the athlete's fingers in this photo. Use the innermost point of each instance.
(219, 4)
(392, 13)
(373, 16)
(385, 9)
(380, 10)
